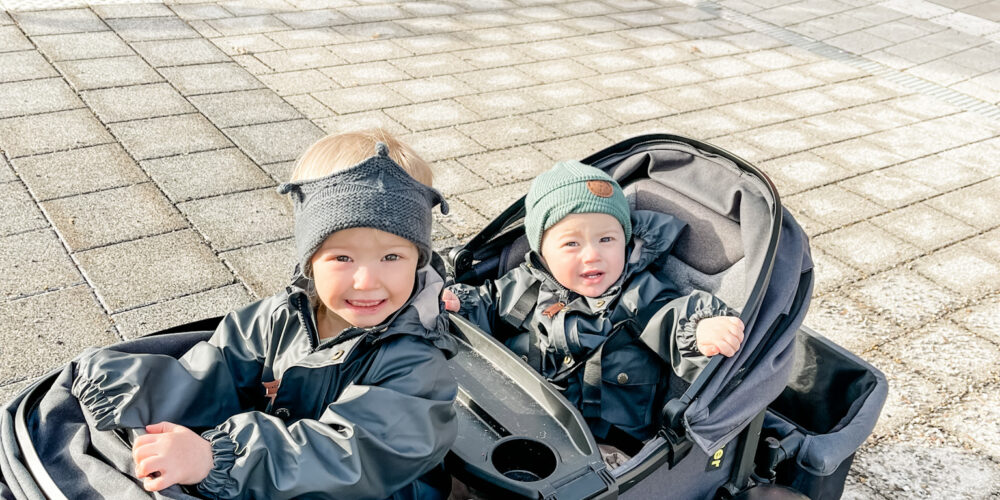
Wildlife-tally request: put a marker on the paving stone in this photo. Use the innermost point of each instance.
(497, 79)
(36, 134)
(111, 216)
(19, 208)
(739, 88)
(977, 205)
(370, 13)
(435, 43)
(210, 78)
(461, 220)
(635, 108)
(859, 155)
(432, 65)
(622, 84)
(982, 319)
(36, 96)
(49, 22)
(160, 316)
(703, 124)
(304, 38)
(451, 178)
(209, 173)
(372, 50)
(253, 65)
(978, 156)
(274, 142)
(564, 94)
(905, 297)
(888, 189)
(245, 44)
(160, 268)
(830, 273)
(893, 467)
(231, 109)
(247, 25)
(866, 247)
(281, 171)
(11, 39)
(34, 262)
(200, 11)
(375, 30)
(688, 98)
(90, 74)
(923, 226)
(152, 28)
(501, 103)
(430, 115)
(142, 138)
(179, 52)
(367, 98)
(441, 144)
(572, 147)
(82, 46)
(204, 29)
(266, 269)
(556, 71)
(6, 172)
(241, 219)
(24, 65)
(975, 421)
(491, 57)
(547, 50)
(799, 172)
(507, 165)
(574, 120)
(926, 347)
(313, 18)
(430, 88)
(359, 121)
(45, 331)
(505, 132)
(133, 10)
(136, 102)
(962, 269)
(428, 25)
(596, 24)
(299, 59)
(298, 82)
(352, 75)
(427, 9)
(94, 168)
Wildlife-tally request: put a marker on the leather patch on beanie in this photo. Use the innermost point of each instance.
(604, 189)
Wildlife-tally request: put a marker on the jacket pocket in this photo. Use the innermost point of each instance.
(629, 378)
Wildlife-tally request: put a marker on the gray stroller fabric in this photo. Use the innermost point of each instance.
(731, 217)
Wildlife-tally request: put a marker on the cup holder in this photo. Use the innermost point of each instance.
(522, 459)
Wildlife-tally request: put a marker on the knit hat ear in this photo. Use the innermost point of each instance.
(570, 187)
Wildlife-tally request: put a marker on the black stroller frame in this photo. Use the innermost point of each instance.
(518, 436)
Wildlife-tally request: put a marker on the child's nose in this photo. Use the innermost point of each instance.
(364, 278)
(590, 253)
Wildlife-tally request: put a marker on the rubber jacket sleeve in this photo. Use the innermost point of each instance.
(202, 388)
(479, 303)
(382, 433)
(670, 331)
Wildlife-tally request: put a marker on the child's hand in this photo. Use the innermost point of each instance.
(721, 334)
(171, 454)
(451, 302)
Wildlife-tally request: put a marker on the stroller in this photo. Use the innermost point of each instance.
(789, 409)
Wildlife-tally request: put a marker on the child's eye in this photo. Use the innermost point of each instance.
(607, 239)
(571, 244)
(391, 257)
(342, 258)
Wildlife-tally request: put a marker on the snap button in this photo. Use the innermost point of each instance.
(283, 412)
(622, 378)
(568, 360)
(525, 358)
(337, 354)
(600, 303)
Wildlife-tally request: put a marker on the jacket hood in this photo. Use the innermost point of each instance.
(420, 316)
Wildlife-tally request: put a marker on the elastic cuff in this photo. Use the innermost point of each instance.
(93, 399)
(465, 298)
(687, 339)
(219, 483)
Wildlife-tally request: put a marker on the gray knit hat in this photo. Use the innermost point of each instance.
(570, 187)
(375, 193)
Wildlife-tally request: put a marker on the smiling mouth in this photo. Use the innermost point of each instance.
(365, 305)
(593, 275)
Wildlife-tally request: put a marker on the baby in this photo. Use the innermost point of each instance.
(338, 386)
(593, 272)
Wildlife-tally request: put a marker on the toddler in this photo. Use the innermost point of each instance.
(337, 387)
(590, 284)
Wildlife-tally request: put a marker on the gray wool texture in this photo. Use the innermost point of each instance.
(375, 193)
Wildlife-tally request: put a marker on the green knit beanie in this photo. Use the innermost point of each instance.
(570, 187)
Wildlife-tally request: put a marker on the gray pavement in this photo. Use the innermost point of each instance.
(141, 143)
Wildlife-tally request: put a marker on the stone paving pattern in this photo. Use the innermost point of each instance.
(141, 144)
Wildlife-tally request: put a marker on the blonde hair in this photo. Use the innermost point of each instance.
(340, 151)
